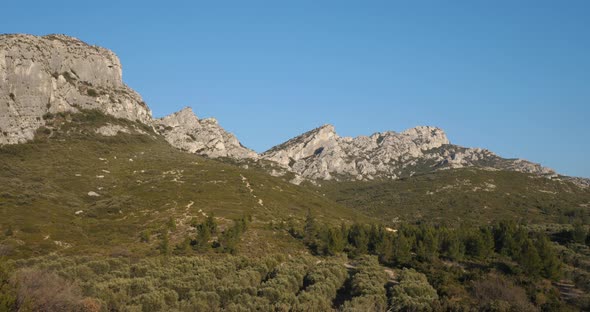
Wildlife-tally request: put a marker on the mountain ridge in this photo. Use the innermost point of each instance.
(67, 75)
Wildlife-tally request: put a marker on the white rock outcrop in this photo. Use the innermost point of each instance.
(57, 73)
(184, 130)
(322, 154)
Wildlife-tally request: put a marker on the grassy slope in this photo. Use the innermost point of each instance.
(463, 195)
(143, 182)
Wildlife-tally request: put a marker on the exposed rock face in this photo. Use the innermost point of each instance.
(580, 182)
(56, 73)
(322, 154)
(205, 137)
(112, 130)
(452, 156)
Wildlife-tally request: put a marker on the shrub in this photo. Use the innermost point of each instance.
(413, 293)
(44, 291)
(496, 293)
(7, 291)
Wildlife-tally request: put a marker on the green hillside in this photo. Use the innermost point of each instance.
(144, 186)
(128, 223)
(472, 195)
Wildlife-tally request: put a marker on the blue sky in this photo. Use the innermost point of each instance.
(510, 76)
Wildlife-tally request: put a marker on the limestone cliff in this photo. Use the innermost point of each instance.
(56, 73)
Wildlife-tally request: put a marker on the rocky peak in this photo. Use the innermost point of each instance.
(184, 130)
(57, 73)
(322, 154)
(305, 145)
(184, 117)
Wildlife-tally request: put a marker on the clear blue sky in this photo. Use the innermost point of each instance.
(511, 76)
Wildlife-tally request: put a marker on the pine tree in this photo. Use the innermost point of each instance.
(579, 233)
(203, 237)
(402, 251)
(451, 245)
(165, 244)
(427, 248)
(551, 265)
(359, 239)
(503, 236)
(335, 241)
(211, 224)
(310, 231)
(529, 258)
(385, 249)
(487, 242)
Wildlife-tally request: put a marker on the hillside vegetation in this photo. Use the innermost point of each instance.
(465, 195)
(76, 191)
(125, 222)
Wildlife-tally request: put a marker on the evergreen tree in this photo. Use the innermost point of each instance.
(211, 224)
(359, 239)
(230, 237)
(385, 249)
(427, 248)
(551, 265)
(451, 245)
(529, 258)
(478, 243)
(310, 230)
(402, 251)
(335, 241)
(579, 233)
(376, 237)
(203, 237)
(503, 236)
(487, 241)
(165, 244)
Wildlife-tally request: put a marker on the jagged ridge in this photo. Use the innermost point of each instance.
(205, 137)
(322, 154)
(57, 73)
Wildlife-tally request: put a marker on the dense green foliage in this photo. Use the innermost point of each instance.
(229, 283)
(413, 292)
(367, 287)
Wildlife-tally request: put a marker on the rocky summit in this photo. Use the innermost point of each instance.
(186, 131)
(322, 154)
(56, 73)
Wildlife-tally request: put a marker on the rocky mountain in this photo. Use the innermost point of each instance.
(56, 73)
(53, 74)
(322, 154)
(187, 132)
(43, 76)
